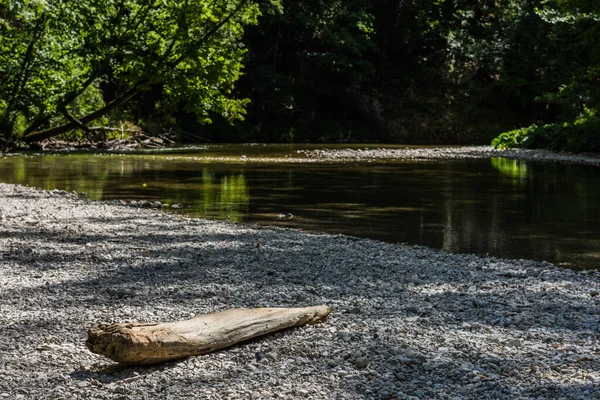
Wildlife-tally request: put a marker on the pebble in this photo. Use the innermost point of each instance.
(446, 153)
(485, 328)
(361, 362)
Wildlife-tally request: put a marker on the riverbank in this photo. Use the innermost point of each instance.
(335, 153)
(448, 153)
(338, 153)
(407, 321)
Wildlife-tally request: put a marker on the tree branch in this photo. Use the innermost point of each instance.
(68, 98)
(31, 136)
(194, 46)
(179, 28)
(48, 133)
(21, 81)
(74, 120)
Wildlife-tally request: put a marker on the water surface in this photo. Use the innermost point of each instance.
(500, 207)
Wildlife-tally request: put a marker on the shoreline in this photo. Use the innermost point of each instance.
(452, 153)
(340, 154)
(430, 324)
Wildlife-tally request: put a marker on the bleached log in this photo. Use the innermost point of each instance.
(142, 344)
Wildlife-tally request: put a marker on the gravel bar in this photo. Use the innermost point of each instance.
(409, 322)
(447, 153)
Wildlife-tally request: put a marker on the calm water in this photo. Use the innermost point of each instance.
(500, 207)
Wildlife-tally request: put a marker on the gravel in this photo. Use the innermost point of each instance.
(446, 153)
(383, 154)
(409, 322)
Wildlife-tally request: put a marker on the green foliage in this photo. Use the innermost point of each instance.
(517, 138)
(439, 68)
(516, 169)
(573, 54)
(443, 70)
(308, 63)
(90, 58)
(581, 136)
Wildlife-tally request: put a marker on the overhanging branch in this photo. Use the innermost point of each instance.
(70, 117)
(48, 133)
(32, 136)
(194, 46)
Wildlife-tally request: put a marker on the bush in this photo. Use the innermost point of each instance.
(580, 136)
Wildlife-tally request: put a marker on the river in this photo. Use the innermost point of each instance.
(500, 207)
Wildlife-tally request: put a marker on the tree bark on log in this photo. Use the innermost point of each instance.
(152, 343)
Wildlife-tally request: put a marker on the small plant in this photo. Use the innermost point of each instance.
(583, 135)
(517, 138)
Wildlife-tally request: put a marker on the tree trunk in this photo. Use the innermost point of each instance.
(143, 344)
(51, 132)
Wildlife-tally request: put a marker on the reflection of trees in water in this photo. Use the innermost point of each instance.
(203, 192)
(216, 195)
(71, 173)
(509, 208)
(533, 210)
(223, 196)
(513, 168)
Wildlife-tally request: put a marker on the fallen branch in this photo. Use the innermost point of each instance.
(108, 128)
(142, 344)
(137, 140)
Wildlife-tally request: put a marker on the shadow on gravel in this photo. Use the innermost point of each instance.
(201, 272)
(576, 391)
(21, 196)
(116, 373)
(498, 310)
(179, 266)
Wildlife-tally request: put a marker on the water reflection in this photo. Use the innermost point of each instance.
(223, 197)
(516, 169)
(501, 207)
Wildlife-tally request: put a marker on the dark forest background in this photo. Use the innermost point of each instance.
(417, 71)
(420, 71)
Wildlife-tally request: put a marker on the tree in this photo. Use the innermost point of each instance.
(562, 60)
(309, 63)
(574, 58)
(64, 65)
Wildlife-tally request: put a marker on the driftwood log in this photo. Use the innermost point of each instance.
(143, 344)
